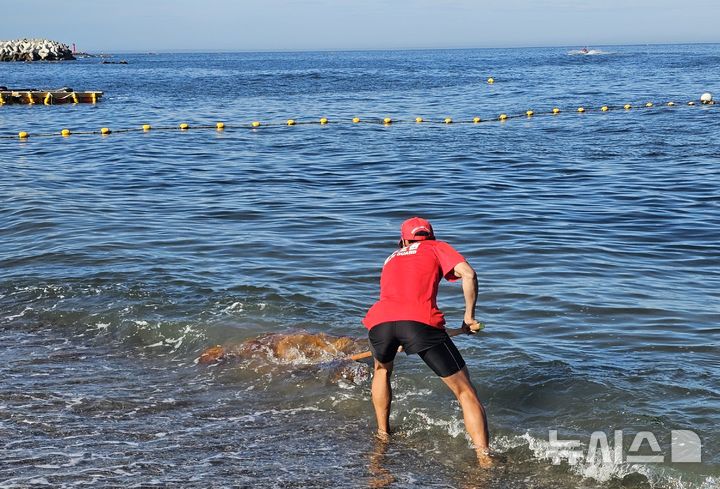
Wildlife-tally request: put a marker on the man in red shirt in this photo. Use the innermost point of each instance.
(407, 315)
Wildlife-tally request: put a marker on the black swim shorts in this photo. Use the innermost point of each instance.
(433, 345)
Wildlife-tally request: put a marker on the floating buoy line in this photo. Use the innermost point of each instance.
(706, 100)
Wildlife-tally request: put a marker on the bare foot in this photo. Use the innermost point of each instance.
(382, 436)
(485, 460)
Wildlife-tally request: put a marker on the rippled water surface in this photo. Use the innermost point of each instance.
(595, 237)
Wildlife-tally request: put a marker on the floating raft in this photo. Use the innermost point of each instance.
(48, 97)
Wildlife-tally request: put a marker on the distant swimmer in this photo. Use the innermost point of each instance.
(407, 315)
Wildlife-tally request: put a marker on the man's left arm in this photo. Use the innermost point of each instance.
(464, 271)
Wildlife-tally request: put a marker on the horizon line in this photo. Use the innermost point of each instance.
(350, 50)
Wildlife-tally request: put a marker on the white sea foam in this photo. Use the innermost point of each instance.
(657, 475)
(234, 307)
(39, 481)
(73, 460)
(19, 315)
(249, 418)
(589, 52)
(453, 425)
(175, 341)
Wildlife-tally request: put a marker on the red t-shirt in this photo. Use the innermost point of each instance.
(409, 284)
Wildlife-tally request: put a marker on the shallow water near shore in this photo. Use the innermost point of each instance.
(595, 237)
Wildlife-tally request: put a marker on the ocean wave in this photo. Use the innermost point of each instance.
(629, 474)
(164, 320)
(589, 52)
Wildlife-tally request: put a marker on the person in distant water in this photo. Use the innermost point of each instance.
(584, 50)
(407, 315)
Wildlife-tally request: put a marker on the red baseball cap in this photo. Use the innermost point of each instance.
(416, 229)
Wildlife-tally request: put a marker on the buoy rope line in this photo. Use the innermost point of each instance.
(387, 121)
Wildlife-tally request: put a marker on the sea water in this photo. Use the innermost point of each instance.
(595, 237)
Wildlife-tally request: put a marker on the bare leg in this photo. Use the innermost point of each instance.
(473, 413)
(382, 397)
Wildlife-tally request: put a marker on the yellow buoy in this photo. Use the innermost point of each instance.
(491, 80)
(65, 132)
(105, 130)
(23, 135)
(323, 120)
(448, 120)
(476, 120)
(649, 104)
(556, 110)
(356, 120)
(387, 120)
(184, 126)
(581, 109)
(530, 113)
(418, 119)
(146, 127)
(627, 106)
(220, 126)
(671, 104)
(604, 108)
(503, 117)
(255, 124)
(291, 122)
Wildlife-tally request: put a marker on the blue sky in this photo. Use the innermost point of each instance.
(250, 25)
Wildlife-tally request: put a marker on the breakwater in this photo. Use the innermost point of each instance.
(34, 50)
